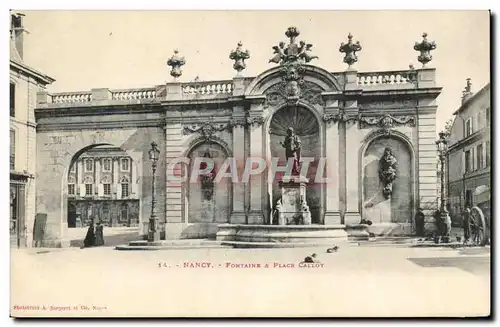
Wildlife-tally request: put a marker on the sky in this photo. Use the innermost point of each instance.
(129, 49)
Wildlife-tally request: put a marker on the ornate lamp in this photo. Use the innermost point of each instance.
(442, 147)
(154, 155)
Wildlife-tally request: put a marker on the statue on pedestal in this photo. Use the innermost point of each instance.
(292, 145)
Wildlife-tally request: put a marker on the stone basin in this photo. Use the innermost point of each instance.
(280, 235)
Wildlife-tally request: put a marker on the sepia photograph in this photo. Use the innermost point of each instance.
(249, 164)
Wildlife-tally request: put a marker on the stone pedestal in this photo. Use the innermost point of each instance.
(294, 209)
(207, 213)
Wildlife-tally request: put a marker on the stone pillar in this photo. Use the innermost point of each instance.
(97, 183)
(101, 94)
(332, 210)
(176, 206)
(79, 169)
(352, 174)
(349, 149)
(116, 181)
(238, 215)
(257, 196)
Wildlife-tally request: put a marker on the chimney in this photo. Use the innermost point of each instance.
(467, 92)
(16, 31)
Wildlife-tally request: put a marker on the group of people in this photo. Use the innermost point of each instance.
(95, 235)
(420, 222)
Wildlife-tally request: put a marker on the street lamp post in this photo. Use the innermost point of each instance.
(445, 223)
(154, 155)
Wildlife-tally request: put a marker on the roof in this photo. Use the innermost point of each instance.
(17, 62)
(14, 54)
(471, 99)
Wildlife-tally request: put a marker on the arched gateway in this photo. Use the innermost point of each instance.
(369, 136)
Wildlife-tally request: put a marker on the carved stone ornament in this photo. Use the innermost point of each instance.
(254, 121)
(293, 52)
(350, 48)
(239, 55)
(293, 87)
(425, 47)
(207, 130)
(340, 117)
(176, 63)
(291, 92)
(387, 172)
(386, 122)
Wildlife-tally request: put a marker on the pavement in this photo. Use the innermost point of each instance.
(356, 281)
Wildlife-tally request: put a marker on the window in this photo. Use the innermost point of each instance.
(487, 117)
(12, 149)
(487, 154)
(125, 164)
(107, 189)
(89, 165)
(73, 168)
(124, 190)
(105, 212)
(468, 127)
(479, 156)
(12, 100)
(106, 165)
(88, 189)
(468, 162)
(124, 212)
(71, 189)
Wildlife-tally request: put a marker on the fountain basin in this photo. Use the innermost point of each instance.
(270, 236)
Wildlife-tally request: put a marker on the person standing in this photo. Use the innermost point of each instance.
(99, 234)
(466, 223)
(420, 222)
(90, 237)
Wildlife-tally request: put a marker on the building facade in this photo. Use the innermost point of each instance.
(469, 153)
(25, 82)
(369, 134)
(102, 187)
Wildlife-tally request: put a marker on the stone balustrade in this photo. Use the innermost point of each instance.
(134, 94)
(387, 78)
(208, 88)
(222, 89)
(70, 97)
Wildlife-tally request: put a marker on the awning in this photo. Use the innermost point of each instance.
(481, 189)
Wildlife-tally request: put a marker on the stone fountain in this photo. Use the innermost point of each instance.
(290, 224)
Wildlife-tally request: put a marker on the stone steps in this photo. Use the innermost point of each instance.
(170, 245)
(277, 245)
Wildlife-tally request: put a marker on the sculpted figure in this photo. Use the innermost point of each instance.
(387, 171)
(207, 180)
(292, 145)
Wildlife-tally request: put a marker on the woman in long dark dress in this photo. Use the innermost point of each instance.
(90, 237)
(99, 234)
